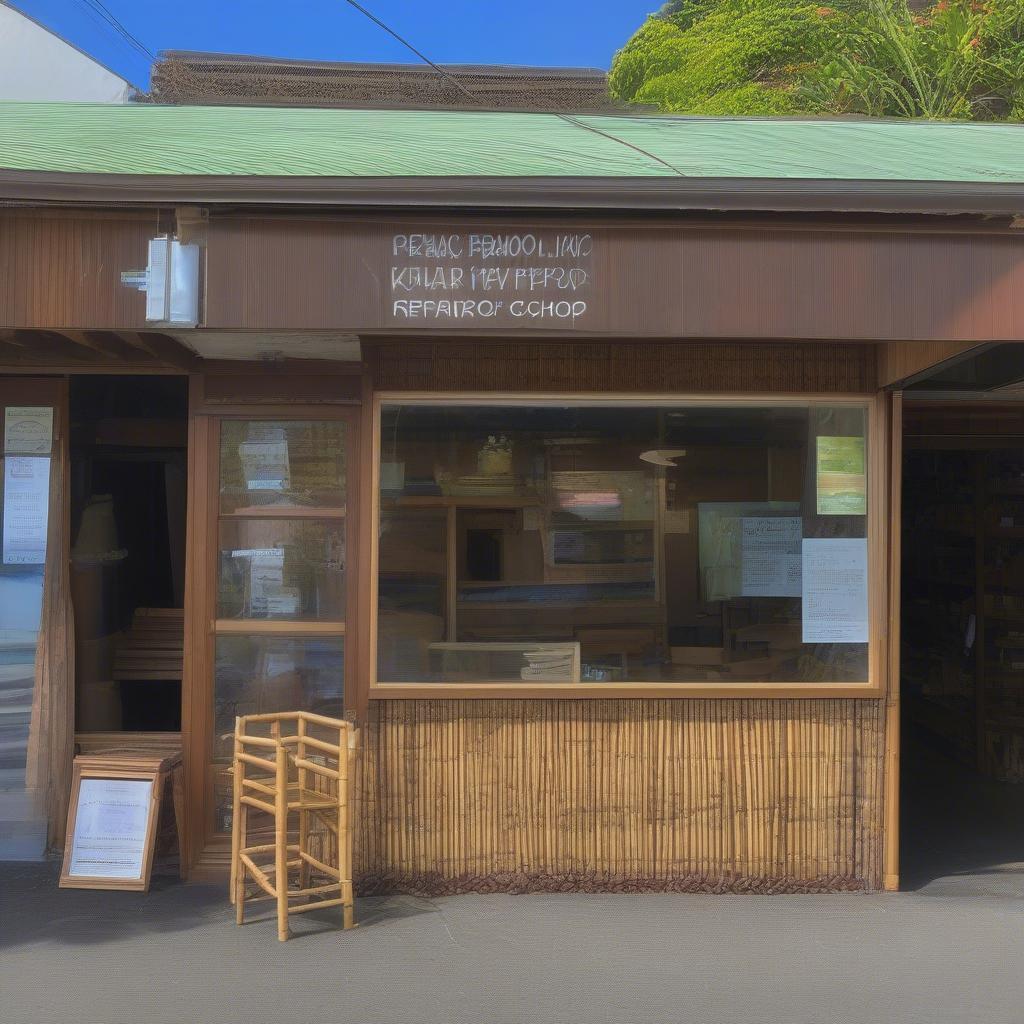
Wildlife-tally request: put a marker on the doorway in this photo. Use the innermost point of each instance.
(128, 448)
(962, 647)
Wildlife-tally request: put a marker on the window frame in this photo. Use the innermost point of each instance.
(877, 536)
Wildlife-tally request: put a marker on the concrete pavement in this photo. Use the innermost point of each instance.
(946, 954)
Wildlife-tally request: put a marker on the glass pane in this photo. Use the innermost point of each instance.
(257, 675)
(411, 589)
(24, 512)
(282, 569)
(664, 544)
(21, 598)
(279, 463)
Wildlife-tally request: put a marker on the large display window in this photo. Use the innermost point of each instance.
(586, 546)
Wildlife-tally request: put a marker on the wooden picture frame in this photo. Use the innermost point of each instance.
(148, 770)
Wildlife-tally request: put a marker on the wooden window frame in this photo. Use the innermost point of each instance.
(875, 407)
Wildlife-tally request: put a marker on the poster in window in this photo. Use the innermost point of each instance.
(28, 430)
(835, 591)
(771, 556)
(264, 457)
(26, 509)
(720, 542)
(842, 479)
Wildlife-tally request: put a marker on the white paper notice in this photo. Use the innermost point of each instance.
(28, 430)
(835, 591)
(770, 549)
(265, 459)
(266, 579)
(26, 508)
(110, 828)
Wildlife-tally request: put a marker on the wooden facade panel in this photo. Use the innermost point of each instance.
(643, 280)
(621, 795)
(65, 272)
(563, 367)
(663, 280)
(899, 360)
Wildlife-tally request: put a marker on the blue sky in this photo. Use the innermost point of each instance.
(544, 32)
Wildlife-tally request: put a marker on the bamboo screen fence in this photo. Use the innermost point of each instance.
(621, 795)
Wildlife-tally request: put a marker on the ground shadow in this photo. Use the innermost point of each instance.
(33, 910)
(958, 828)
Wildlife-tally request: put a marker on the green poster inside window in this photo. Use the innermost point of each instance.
(842, 481)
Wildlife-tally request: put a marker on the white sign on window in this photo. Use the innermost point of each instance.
(835, 591)
(26, 509)
(28, 430)
(770, 552)
(265, 459)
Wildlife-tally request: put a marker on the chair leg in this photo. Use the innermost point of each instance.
(241, 827)
(304, 873)
(281, 844)
(348, 907)
(238, 832)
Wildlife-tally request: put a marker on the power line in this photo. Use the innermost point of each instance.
(568, 119)
(405, 42)
(100, 9)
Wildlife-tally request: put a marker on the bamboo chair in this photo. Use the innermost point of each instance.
(284, 769)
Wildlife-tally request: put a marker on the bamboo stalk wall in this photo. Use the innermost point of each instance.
(620, 795)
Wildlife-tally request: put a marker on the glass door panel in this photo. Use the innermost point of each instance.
(282, 569)
(281, 579)
(273, 465)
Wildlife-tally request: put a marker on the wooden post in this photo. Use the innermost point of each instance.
(280, 828)
(281, 838)
(346, 746)
(238, 830)
(303, 814)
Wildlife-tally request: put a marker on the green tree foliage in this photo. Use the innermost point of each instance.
(945, 59)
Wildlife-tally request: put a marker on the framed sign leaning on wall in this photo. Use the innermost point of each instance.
(113, 818)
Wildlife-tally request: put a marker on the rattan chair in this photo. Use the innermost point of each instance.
(295, 768)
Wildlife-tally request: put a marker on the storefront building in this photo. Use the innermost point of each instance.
(565, 458)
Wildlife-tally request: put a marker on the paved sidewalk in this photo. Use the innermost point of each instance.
(946, 954)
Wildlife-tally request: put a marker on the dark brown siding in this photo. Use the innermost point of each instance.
(653, 281)
(66, 271)
(560, 366)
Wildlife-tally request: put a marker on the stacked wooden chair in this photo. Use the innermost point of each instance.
(294, 769)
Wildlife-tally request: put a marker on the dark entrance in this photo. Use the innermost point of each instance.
(128, 480)
(962, 650)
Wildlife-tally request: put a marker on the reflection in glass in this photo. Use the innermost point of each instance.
(21, 596)
(281, 569)
(256, 675)
(281, 463)
(667, 544)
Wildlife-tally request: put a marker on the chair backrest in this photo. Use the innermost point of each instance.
(316, 743)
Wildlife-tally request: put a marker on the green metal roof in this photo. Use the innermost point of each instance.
(145, 139)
